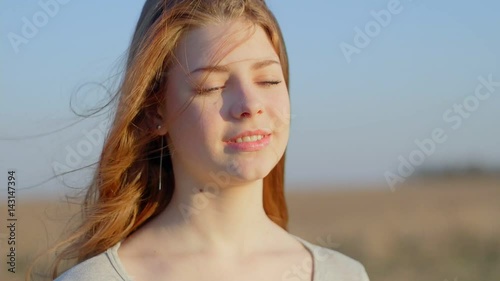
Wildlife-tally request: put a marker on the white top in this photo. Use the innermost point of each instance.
(328, 265)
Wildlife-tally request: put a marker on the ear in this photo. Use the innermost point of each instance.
(155, 118)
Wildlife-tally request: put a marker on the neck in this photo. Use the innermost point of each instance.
(223, 220)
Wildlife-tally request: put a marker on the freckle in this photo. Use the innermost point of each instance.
(201, 189)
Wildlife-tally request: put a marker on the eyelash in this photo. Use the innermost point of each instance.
(210, 90)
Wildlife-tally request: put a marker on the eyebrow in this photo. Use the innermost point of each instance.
(225, 69)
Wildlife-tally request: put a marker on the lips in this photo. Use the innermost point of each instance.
(249, 134)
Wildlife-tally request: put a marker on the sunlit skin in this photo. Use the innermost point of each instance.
(227, 230)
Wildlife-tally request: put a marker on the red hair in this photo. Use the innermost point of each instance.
(124, 194)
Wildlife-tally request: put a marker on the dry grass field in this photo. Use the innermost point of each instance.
(425, 230)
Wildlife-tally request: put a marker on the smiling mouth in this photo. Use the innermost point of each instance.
(251, 143)
(252, 138)
(249, 136)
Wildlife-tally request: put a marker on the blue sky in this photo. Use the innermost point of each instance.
(354, 117)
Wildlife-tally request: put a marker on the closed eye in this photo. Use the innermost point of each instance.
(204, 91)
(270, 83)
(208, 90)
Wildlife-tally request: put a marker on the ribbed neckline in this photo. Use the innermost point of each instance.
(112, 254)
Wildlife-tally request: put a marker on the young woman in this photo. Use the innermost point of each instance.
(189, 185)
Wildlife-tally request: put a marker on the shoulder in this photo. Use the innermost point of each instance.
(97, 268)
(332, 265)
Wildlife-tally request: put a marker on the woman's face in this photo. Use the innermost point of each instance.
(246, 92)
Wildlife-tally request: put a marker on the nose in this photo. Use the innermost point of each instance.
(247, 104)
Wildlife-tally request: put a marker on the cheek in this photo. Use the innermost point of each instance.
(195, 128)
(280, 111)
(180, 111)
(181, 117)
(186, 127)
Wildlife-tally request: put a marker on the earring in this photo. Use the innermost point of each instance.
(161, 159)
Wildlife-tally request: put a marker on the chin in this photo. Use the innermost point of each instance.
(250, 170)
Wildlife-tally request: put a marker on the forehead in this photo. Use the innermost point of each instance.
(229, 42)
